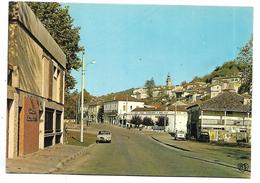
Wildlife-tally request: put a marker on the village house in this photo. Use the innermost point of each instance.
(115, 110)
(36, 73)
(93, 110)
(176, 114)
(225, 117)
(219, 84)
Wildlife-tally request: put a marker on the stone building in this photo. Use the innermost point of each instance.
(36, 70)
(224, 118)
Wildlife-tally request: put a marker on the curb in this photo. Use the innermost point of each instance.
(180, 148)
(206, 160)
(70, 158)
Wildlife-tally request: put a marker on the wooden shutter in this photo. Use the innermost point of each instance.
(61, 86)
(50, 79)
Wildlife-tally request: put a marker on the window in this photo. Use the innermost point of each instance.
(9, 77)
(48, 125)
(124, 108)
(56, 72)
(58, 121)
(131, 107)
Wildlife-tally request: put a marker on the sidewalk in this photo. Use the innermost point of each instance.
(215, 153)
(47, 160)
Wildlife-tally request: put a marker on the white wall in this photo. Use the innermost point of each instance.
(181, 118)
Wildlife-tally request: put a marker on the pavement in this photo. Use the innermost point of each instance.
(47, 160)
(224, 155)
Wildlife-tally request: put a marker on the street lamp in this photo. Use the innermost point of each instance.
(82, 92)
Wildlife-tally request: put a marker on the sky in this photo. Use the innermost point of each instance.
(134, 43)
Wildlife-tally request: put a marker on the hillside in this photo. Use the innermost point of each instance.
(231, 68)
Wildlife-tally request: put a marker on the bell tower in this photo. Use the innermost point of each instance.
(169, 81)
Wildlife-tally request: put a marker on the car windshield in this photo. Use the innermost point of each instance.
(103, 132)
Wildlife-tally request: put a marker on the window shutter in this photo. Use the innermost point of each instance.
(61, 86)
(50, 79)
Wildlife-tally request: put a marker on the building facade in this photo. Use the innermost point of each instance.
(36, 72)
(176, 114)
(93, 110)
(115, 110)
(225, 117)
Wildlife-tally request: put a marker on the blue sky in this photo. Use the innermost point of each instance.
(133, 43)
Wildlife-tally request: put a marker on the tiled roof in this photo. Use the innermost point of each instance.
(226, 101)
(124, 98)
(163, 108)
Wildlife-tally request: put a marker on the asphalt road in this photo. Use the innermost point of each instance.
(131, 153)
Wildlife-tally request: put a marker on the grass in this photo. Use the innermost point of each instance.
(73, 138)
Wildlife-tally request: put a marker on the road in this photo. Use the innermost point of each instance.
(131, 153)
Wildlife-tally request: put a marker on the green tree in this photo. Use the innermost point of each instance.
(59, 23)
(162, 121)
(71, 104)
(136, 120)
(147, 121)
(183, 82)
(245, 59)
(196, 78)
(150, 84)
(100, 114)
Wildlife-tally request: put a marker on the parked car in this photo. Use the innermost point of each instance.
(104, 136)
(204, 137)
(180, 135)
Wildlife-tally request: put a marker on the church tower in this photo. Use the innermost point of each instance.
(169, 81)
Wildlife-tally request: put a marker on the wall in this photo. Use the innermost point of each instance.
(129, 106)
(29, 62)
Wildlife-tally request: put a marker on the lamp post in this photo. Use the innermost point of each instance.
(82, 92)
(82, 95)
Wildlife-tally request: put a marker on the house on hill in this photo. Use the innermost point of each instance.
(225, 117)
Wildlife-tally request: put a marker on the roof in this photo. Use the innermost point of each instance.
(226, 101)
(162, 108)
(22, 12)
(124, 98)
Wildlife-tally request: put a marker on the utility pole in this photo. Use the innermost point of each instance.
(82, 95)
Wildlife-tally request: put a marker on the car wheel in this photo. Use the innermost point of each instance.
(97, 141)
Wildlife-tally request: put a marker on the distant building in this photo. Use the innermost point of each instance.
(93, 111)
(36, 80)
(115, 110)
(140, 93)
(220, 84)
(223, 117)
(176, 114)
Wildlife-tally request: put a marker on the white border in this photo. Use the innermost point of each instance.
(76, 178)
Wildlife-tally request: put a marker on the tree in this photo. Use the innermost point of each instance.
(162, 121)
(71, 104)
(147, 121)
(196, 78)
(59, 23)
(183, 82)
(150, 84)
(100, 114)
(245, 58)
(136, 120)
